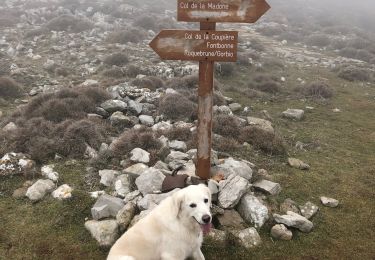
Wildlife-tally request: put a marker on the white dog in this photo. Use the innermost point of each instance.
(171, 231)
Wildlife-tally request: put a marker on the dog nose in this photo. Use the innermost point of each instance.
(206, 219)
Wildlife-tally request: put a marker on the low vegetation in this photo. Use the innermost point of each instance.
(9, 89)
(117, 59)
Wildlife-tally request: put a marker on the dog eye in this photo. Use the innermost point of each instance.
(205, 200)
(193, 205)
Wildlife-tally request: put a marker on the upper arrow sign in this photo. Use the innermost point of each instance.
(235, 11)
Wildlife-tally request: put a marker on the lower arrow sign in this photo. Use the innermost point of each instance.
(196, 45)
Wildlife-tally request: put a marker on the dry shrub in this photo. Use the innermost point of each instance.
(265, 83)
(9, 88)
(177, 107)
(225, 69)
(338, 44)
(113, 73)
(65, 104)
(68, 23)
(177, 133)
(354, 74)
(187, 82)
(123, 37)
(117, 59)
(150, 82)
(320, 40)
(291, 36)
(225, 144)
(271, 30)
(133, 71)
(265, 141)
(7, 22)
(143, 138)
(318, 90)
(227, 126)
(273, 63)
(348, 52)
(55, 123)
(364, 55)
(146, 22)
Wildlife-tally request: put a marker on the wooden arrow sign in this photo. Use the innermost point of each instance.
(203, 45)
(235, 11)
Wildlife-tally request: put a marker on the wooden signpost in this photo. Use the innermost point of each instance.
(206, 46)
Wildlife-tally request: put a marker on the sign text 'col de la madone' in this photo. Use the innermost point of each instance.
(196, 45)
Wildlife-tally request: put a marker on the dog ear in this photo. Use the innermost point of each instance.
(177, 201)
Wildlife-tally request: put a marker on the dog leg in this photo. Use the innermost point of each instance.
(198, 255)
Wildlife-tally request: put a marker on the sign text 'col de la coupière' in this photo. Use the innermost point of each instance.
(196, 45)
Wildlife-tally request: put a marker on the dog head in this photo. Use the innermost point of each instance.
(193, 204)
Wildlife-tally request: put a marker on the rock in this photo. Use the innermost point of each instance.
(105, 232)
(216, 210)
(289, 205)
(39, 189)
(189, 168)
(231, 220)
(298, 164)
(281, 232)
(106, 206)
(235, 107)
(252, 210)
(96, 194)
(162, 126)
(146, 120)
(101, 112)
(134, 107)
(269, 187)
(160, 165)
(248, 238)
(139, 155)
(263, 174)
(119, 120)
(234, 167)
(15, 164)
(133, 196)
(295, 114)
(231, 191)
(10, 127)
(19, 193)
(90, 153)
(216, 237)
(114, 105)
(123, 185)
(177, 156)
(329, 202)
(149, 201)
(294, 220)
(139, 217)
(150, 181)
(125, 215)
(309, 210)
(261, 123)
(49, 173)
(178, 145)
(136, 169)
(63, 192)
(108, 177)
(224, 110)
(213, 186)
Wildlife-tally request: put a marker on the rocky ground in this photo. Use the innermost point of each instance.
(92, 122)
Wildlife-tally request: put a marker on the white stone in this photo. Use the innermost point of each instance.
(123, 185)
(261, 123)
(269, 187)
(231, 191)
(231, 166)
(152, 200)
(329, 202)
(295, 220)
(139, 155)
(108, 177)
(39, 189)
(295, 114)
(150, 181)
(146, 120)
(136, 169)
(49, 173)
(253, 210)
(63, 192)
(10, 127)
(248, 238)
(105, 232)
(178, 145)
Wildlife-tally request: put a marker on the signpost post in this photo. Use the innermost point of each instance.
(206, 46)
